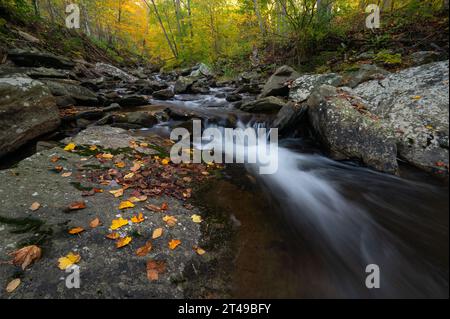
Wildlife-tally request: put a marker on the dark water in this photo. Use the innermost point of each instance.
(311, 229)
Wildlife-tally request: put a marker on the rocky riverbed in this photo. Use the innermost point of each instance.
(96, 130)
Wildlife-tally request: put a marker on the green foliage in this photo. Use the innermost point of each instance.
(388, 58)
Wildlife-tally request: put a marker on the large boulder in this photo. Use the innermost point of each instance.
(349, 131)
(414, 104)
(366, 72)
(39, 59)
(289, 116)
(72, 89)
(201, 70)
(278, 83)
(114, 72)
(302, 87)
(165, 94)
(184, 84)
(269, 104)
(27, 111)
(132, 100)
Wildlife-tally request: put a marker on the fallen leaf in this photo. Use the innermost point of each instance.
(199, 251)
(136, 167)
(165, 161)
(95, 223)
(54, 159)
(26, 256)
(69, 260)
(13, 285)
(157, 233)
(68, 174)
(59, 169)
(165, 206)
(137, 199)
(77, 206)
(197, 219)
(126, 204)
(417, 97)
(129, 176)
(75, 231)
(121, 165)
(35, 206)
(118, 223)
(170, 220)
(117, 193)
(107, 156)
(174, 243)
(154, 269)
(113, 236)
(143, 251)
(70, 147)
(153, 208)
(123, 242)
(138, 219)
(93, 148)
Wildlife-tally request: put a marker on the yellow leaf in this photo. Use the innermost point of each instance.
(170, 220)
(174, 243)
(126, 204)
(138, 219)
(121, 165)
(69, 260)
(417, 97)
(70, 147)
(117, 193)
(118, 223)
(107, 156)
(137, 199)
(157, 233)
(165, 161)
(93, 148)
(123, 242)
(197, 219)
(129, 176)
(13, 285)
(75, 231)
(199, 251)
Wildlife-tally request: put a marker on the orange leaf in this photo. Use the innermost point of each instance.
(154, 269)
(95, 223)
(121, 165)
(157, 233)
(77, 206)
(26, 256)
(138, 219)
(35, 206)
(123, 242)
(113, 236)
(75, 231)
(143, 251)
(174, 243)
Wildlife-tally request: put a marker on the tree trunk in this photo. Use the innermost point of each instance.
(262, 27)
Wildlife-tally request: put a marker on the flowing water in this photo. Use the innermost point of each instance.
(318, 224)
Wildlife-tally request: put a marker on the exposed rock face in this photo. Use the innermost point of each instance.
(141, 119)
(414, 105)
(201, 70)
(39, 59)
(36, 73)
(302, 88)
(27, 110)
(184, 84)
(72, 89)
(424, 57)
(165, 94)
(277, 85)
(289, 116)
(114, 72)
(366, 73)
(269, 104)
(349, 133)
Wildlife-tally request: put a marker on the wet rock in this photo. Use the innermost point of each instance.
(39, 59)
(141, 119)
(27, 111)
(80, 94)
(414, 105)
(269, 104)
(133, 100)
(184, 84)
(302, 88)
(114, 72)
(249, 88)
(289, 116)
(234, 98)
(366, 72)
(349, 133)
(200, 87)
(147, 87)
(165, 94)
(277, 85)
(424, 57)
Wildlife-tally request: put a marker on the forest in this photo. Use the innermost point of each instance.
(224, 149)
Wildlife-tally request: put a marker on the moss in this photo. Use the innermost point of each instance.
(39, 234)
(388, 58)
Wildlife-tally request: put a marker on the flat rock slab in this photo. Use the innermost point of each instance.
(106, 272)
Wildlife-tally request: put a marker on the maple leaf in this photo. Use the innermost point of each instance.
(143, 251)
(197, 219)
(123, 242)
(13, 285)
(138, 219)
(26, 256)
(75, 231)
(70, 147)
(77, 206)
(35, 206)
(170, 220)
(68, 261)
(174, 243)
(125, 205)
(118, 223)
(154, 269)
(157, 233)
(95, 223)
(117, 193)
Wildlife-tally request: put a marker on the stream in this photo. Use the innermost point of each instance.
(311, 229)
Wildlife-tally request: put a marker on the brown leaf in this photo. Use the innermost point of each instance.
(35, 206)
(157, 233)
(143, 251)
(26, 256)
(77, 206)
(95, 223)
(154, 269)
(153, 208)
